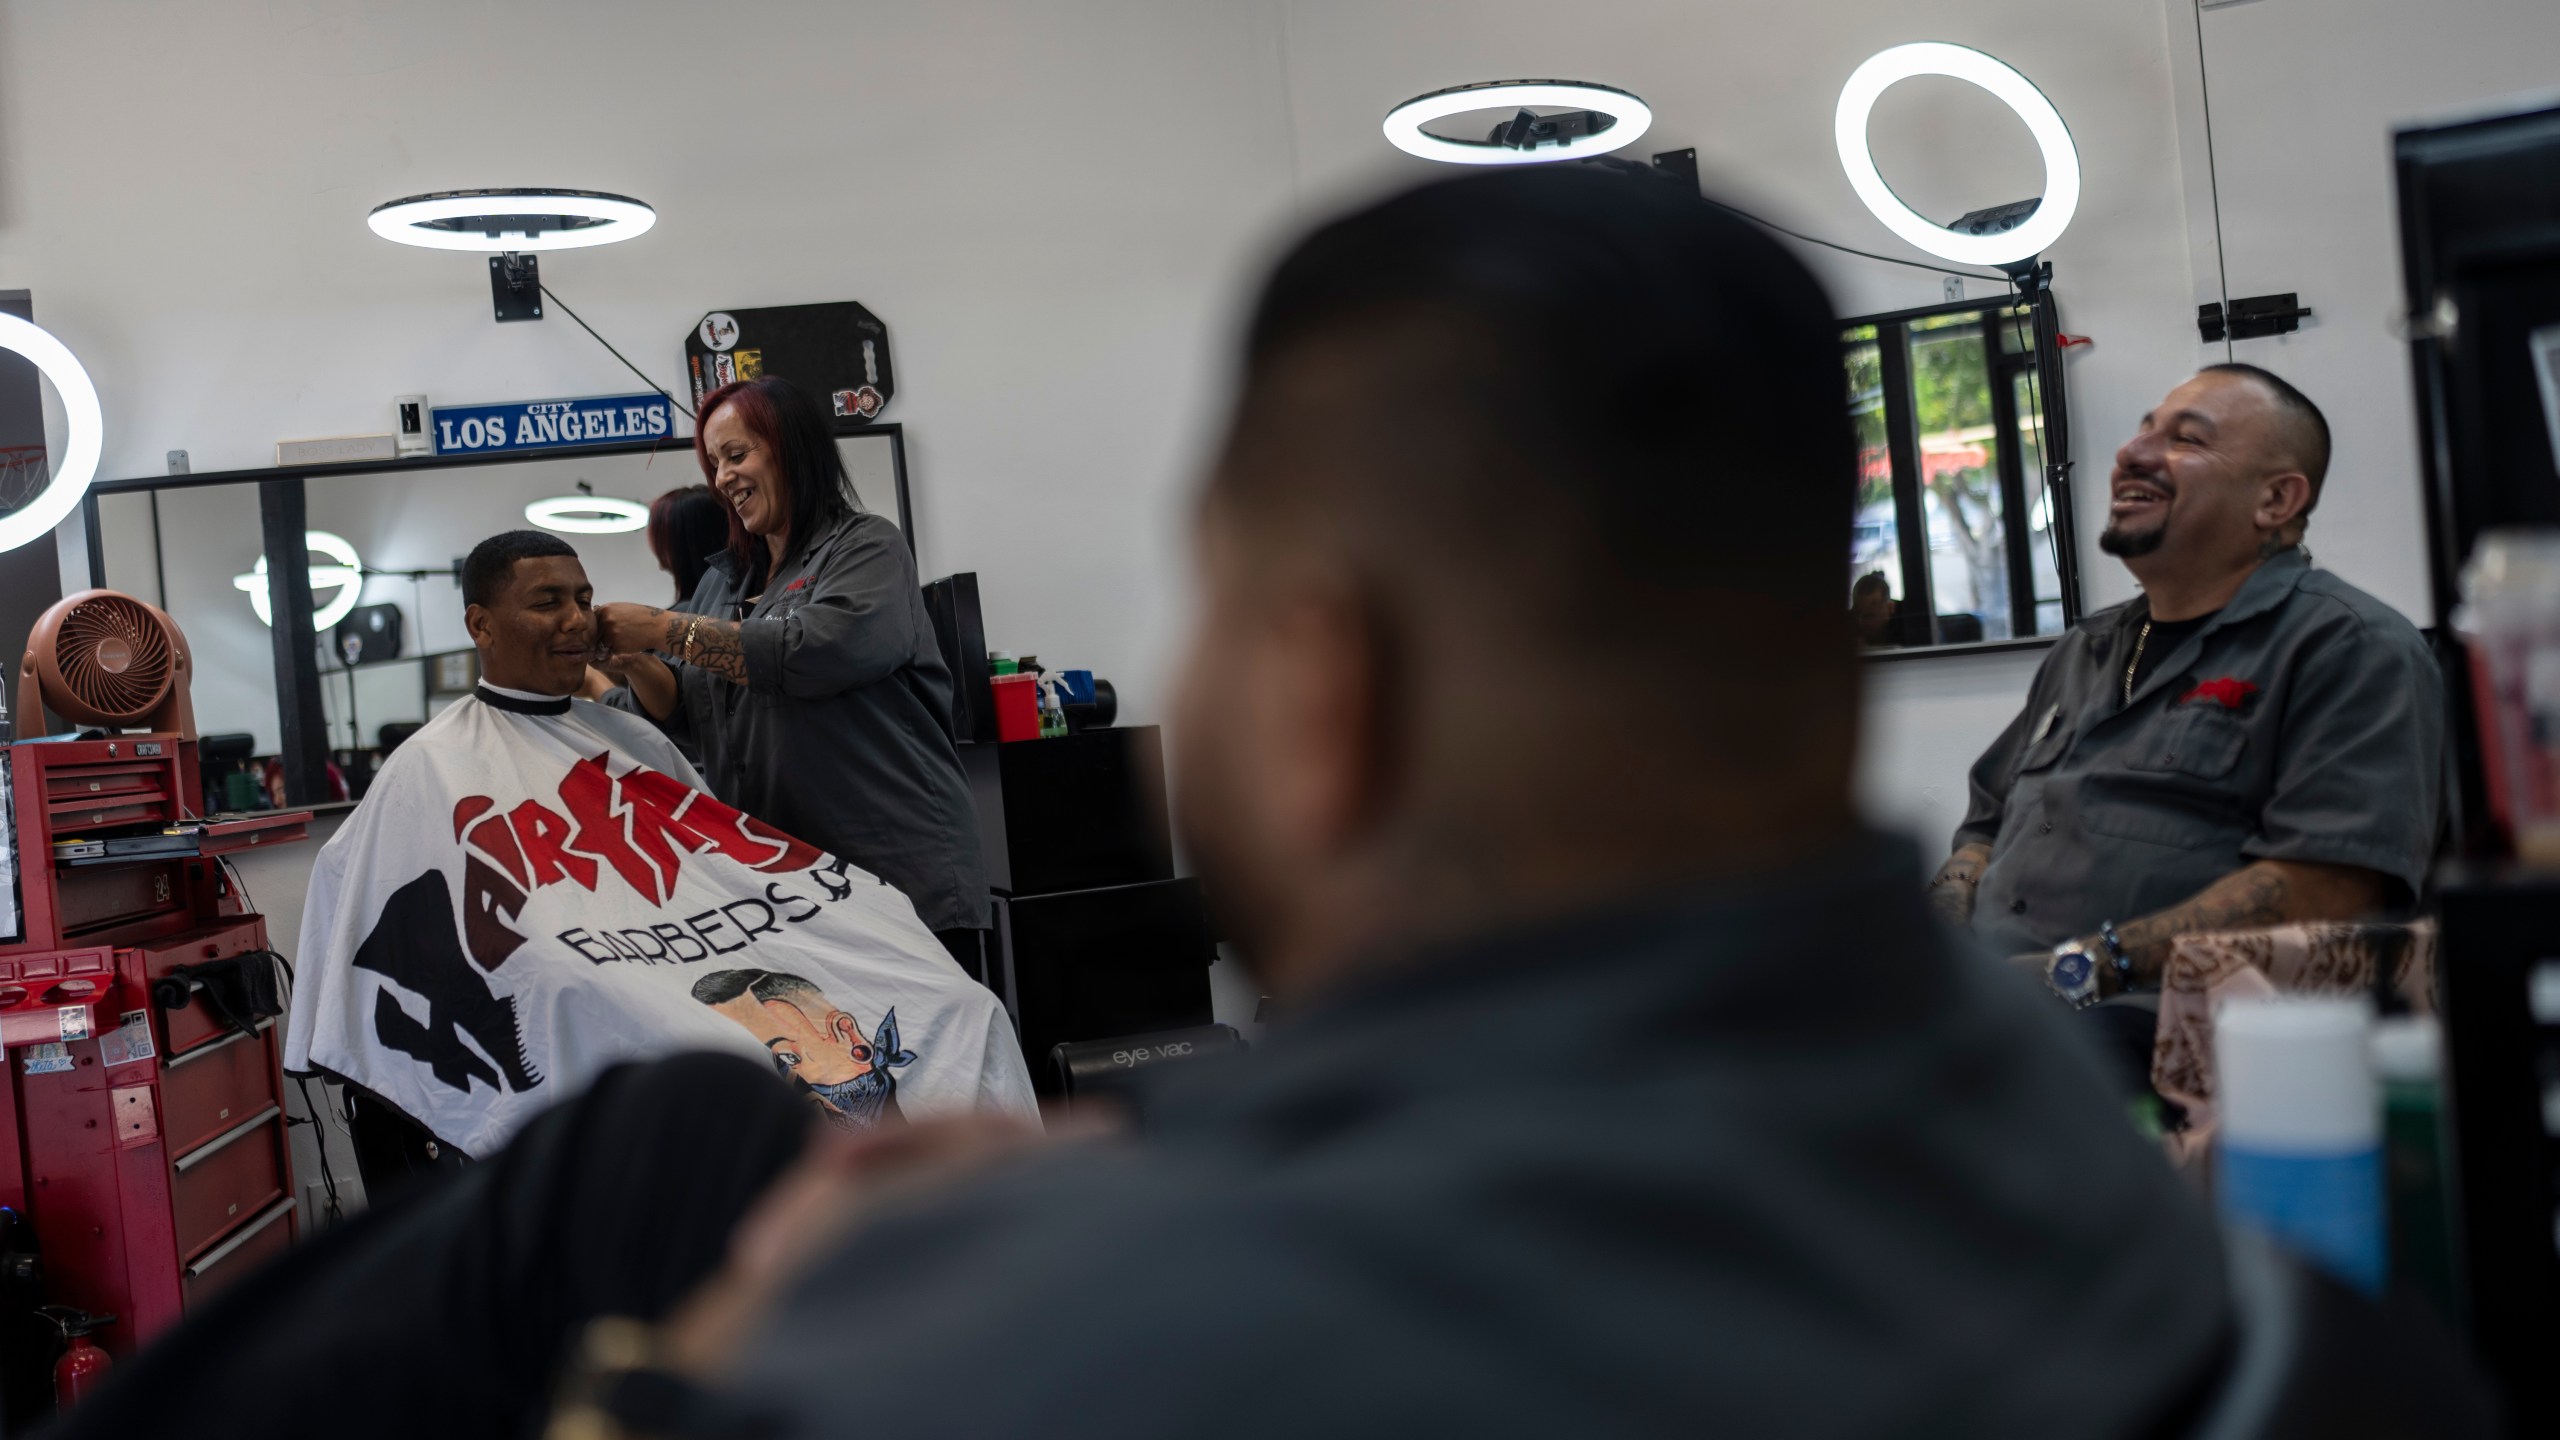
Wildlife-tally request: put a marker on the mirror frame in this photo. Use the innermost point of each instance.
(303, 729)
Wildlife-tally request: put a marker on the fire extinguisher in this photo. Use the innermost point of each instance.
(83, 1366)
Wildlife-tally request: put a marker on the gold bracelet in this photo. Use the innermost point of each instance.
(686, 643)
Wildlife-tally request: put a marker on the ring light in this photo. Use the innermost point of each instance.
(587, 514)
(2053, 138)
(1404, 123)
(517, 221)
(81, 417)
(347, 575)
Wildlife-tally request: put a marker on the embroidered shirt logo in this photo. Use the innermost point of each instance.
(2229, 692)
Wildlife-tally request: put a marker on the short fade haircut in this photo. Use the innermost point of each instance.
(2310, 429)
(722, 986)
(493, 561)
(1613, 409)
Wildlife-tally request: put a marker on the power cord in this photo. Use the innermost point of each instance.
(320, 1142)
(1843, 249)
(618, 355)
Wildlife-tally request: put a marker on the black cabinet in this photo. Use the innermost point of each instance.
(1095, 936)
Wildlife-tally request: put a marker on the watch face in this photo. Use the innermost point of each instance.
(2072, 970)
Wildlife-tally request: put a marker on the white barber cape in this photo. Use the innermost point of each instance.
(535, 889)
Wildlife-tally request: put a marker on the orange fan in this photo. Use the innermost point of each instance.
(103, 658)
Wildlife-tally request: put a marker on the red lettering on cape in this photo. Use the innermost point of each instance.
(470, 807)
(588, 792)
(545, 838)
(499, 843)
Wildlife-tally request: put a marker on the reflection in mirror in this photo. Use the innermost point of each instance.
(401, 654)
(1956, 539)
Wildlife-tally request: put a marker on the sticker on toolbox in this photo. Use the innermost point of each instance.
(53, 1059)
(74, 1021)
(129, 1041)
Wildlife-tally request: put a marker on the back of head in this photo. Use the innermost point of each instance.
(493, 561)
(687, 526)
(1597, 418)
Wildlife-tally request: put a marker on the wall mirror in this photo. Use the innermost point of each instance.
(388, 648)
(1963, 535)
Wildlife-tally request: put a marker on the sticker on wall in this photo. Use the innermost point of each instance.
(52, 1058)
(551, 424)
(837, 349)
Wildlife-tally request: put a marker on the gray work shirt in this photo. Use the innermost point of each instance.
(1774, 1159)
(842, 733)
(2305, 721)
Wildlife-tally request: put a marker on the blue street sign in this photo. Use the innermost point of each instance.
(550, 424)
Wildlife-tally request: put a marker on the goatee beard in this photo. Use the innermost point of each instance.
(2131, 544)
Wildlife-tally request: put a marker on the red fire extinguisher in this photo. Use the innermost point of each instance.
(83, 1366)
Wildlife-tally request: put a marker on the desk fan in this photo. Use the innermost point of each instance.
(103, 658)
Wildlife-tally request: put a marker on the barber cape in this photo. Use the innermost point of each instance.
(535, 889)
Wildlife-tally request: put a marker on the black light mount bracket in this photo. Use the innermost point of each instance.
(515, 286)
(1997, 219)
(1530, 130)
(2033, 276)
(2252, 318)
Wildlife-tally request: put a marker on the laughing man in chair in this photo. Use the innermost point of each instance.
(2251, 742)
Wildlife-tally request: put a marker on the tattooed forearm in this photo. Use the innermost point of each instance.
(715, 645)
(1951, 894)
(2268, 892)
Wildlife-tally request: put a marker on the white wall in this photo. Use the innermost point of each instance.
(1047, 203)
(2305, 96)
(1056, 207)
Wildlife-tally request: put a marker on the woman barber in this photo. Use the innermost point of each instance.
(809, 676)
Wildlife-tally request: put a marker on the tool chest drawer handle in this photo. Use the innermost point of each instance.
(205, 1152)
(240, 1237)
(189, 1057)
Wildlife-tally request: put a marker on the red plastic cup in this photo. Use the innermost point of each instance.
(1017, 707)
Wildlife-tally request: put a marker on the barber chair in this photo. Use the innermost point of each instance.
(2312, 1360)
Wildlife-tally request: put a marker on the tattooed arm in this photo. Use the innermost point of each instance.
(698, 640)
(1951, 894)
(2267, 892)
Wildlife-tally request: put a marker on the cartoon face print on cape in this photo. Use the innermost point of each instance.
(813, 1041)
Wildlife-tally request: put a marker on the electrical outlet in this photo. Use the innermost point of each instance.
(1955, 287)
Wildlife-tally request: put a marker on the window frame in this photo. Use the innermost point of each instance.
(2041, 362)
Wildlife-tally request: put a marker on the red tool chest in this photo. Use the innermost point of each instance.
(147, 1146)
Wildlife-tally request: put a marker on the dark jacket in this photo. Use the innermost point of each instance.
(842, 735)
(1778, 1159)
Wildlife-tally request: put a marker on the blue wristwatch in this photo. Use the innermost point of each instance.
(2072, 974)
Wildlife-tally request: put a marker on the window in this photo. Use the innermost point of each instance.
(1963, 527)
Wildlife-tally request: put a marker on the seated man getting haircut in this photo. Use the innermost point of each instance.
(1622, 1085)
(536, 888)
(2252, 741)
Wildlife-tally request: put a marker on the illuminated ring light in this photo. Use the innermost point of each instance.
(2061, 161)
(347, 576)
(1404, 123)
(81, 417)
(588, 514)
(512, 220)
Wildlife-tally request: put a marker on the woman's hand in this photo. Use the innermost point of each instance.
(623, 628)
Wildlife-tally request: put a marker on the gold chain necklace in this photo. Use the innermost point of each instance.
(2136, 662)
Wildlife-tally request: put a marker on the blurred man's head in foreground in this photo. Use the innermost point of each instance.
(1520, 568)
